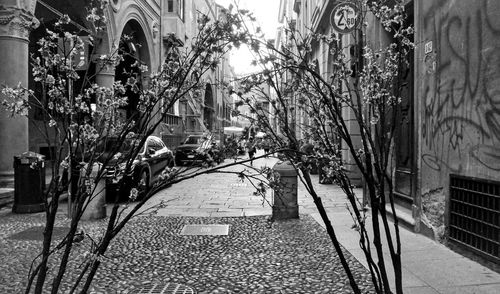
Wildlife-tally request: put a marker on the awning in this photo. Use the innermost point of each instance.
(233, 130)
(260, 135)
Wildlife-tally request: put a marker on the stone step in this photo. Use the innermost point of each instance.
(6, 196)
(405, 218)
(7, 182)
(404, 215)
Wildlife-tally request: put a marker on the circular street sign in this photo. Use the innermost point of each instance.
(344, 17)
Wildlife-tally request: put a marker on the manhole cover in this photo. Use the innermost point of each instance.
(36, 233)
(205, 230)
(168, 288)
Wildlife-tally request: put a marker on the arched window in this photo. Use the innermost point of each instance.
(208, 107)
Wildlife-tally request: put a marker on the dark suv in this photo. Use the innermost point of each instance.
(196, 149)
(151, 160)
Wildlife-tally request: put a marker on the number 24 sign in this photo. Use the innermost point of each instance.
(344, 18)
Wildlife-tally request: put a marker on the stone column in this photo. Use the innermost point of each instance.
(15, 25)
(105, 74)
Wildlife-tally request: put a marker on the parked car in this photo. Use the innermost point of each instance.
(196, 149)
(149, 163)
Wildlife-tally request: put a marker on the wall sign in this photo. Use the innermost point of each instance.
(428, 47)
(345, 17)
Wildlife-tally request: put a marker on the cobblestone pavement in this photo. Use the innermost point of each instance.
(256, 257)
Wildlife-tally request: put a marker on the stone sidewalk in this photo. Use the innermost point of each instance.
(224, 195)
(428, 267)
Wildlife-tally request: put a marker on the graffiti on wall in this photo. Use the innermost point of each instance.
(462, 95)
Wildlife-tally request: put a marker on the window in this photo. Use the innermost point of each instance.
(48, 151)
(180, 9)
(159, 144)
(194, 140)
(176, 6)
(155, 144)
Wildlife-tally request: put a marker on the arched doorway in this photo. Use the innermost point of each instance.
(208, 107)
(135, 52)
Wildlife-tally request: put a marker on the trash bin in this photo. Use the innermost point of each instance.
(29, 183)
(285, 204)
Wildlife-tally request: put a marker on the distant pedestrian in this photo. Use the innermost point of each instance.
(251, 149)
(307, 147)
(266, 145)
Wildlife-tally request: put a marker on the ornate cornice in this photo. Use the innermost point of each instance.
(16, 22)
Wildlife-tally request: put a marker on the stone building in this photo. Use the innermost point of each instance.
(454, 122)
(214, 113)
(151, 23)
(447, 159)
(446, 150)
(314, 16)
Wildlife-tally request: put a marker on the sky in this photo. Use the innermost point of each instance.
(266, 12)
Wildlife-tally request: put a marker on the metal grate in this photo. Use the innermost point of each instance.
(168, 288)
(475, 215)
(205, 230)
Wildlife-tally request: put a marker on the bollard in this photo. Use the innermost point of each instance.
(285, 205)
(96, 204)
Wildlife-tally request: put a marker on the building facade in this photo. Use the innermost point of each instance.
(456, 112)
(150, 23)
(313, 16)
(446, 159)
(446, 154)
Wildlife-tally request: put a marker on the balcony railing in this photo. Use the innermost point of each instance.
(172, 119)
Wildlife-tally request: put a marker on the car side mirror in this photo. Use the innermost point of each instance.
(151, 151)
(182, 143)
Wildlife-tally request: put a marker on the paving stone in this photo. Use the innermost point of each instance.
(236, 213)
(230, 209)
(256, 212)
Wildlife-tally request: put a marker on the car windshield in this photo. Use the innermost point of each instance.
(194, 140)
(110, 145)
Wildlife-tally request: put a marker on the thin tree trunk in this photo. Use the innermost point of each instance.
(331, 233)
(378, 247)
(364, 239)
(47, 240)
(64, 260)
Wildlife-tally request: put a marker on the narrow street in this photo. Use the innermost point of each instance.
(225, 195)
(256, 256)
(253, 256)
(397, 102)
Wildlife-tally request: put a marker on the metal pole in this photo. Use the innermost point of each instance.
(70, 160)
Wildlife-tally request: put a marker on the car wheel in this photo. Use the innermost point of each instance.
(143, 186)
